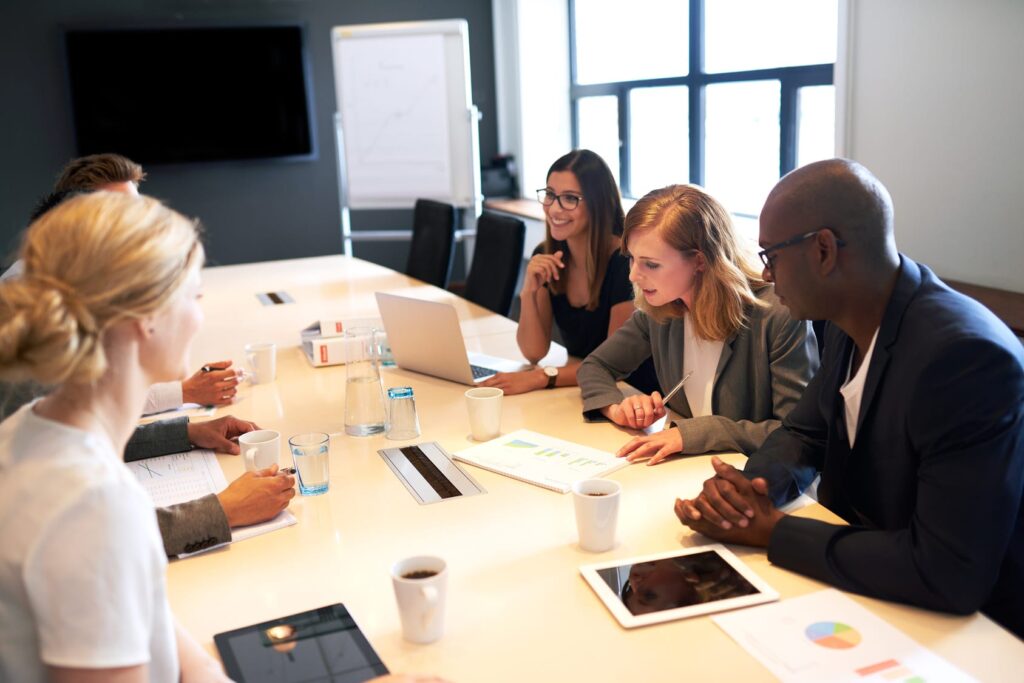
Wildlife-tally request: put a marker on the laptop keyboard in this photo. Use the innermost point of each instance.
(479, 372)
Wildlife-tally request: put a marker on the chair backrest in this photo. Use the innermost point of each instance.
(433, 239)
(497, 258)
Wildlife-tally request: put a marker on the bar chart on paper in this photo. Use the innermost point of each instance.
(540, 459)
(826, 636)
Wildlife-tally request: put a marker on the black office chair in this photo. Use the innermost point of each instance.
(433, 240)
(497, 258)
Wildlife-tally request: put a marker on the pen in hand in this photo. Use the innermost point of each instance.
(676, 388)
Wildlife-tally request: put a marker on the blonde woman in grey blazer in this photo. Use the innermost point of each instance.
(704, 312)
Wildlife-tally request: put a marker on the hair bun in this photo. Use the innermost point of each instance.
(46, 333)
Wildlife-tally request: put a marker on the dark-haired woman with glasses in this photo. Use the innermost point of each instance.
(577, 278)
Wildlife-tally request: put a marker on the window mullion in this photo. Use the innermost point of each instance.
(695, 91)
(788, 111)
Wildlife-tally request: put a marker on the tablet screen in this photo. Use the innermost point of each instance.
(673, 582)
(319, 646)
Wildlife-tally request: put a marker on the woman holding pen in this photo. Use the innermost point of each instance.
(718, 336)
(577, 278)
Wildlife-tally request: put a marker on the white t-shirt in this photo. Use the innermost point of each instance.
(700, 356)
(161, 397)
(853, 390)
(81, 563)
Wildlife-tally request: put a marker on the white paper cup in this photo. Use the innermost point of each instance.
(262, 360)
(421, 600)
(597, 513)
(484, 406)
(260, 449)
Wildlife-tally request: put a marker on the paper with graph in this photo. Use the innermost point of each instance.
(181, 477)
(540, 459)
(826, 636)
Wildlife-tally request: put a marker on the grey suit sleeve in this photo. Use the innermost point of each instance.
(793, 360)
(615, 359)
(158, 438)
(192, 526)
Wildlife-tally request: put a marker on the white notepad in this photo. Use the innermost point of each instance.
(181, 477)
(540, 459)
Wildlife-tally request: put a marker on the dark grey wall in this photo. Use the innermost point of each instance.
(252, 210)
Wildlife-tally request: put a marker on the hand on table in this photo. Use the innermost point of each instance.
(655, 447)
(541, 269)
(637, 412)
(214, 388)
(731, 508)
(256, 496)
(517, 382)
(217, 434)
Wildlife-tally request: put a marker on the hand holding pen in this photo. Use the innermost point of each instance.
(655, 447)
(214, 385)
(641, 411)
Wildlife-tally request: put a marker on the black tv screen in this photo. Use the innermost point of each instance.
(190, 94)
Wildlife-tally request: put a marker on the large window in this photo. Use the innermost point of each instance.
(729, 94)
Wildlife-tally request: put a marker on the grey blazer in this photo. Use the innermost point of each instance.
(185, 527)
(761, 374)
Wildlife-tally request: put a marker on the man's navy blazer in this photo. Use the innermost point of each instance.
(932, 488)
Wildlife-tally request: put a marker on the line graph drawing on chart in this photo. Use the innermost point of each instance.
(393, 98)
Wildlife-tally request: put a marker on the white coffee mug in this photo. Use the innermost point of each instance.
(484, 406)
(262, 360)
(597, 513)
(260, 449)
(420, 585)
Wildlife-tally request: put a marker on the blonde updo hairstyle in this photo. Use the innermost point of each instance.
(89, 263)
(691, 221)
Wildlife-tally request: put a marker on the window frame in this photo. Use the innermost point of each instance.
(790, 79)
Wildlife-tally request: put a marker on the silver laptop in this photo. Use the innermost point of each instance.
(425, 337)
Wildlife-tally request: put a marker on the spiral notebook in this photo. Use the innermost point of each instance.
(540, 459)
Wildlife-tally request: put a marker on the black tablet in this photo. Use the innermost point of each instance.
(321, 645)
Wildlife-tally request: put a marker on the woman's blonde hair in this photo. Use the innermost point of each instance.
(689, 220)
(89, 263)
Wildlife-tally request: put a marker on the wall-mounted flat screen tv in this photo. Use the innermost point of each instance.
(191, 94)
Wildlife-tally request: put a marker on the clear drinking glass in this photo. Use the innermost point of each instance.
(402, 420)
(364, 395)
(311, 454)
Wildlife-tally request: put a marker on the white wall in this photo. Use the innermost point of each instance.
(531, 45)
(934, 101)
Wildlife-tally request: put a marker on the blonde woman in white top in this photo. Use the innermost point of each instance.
(106, 306)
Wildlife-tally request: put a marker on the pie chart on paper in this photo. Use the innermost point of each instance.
(833, 635)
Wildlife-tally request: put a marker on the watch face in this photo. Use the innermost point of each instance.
(551, 372)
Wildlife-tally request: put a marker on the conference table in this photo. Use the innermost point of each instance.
(517, 607)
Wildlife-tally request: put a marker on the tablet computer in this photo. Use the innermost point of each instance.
(676, 585)
(321, 645)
